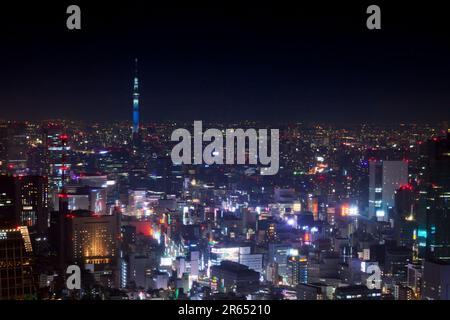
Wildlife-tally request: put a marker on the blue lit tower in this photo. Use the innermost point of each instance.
(135, 129)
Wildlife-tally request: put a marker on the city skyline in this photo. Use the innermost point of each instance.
(239, 153)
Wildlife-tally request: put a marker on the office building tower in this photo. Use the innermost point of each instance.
(55, 156)
(17, 148)
(16, 272)
(278, 254)
(297, 270)
(8, 203)
(402, 292)
(33, 203)
(95, 242)
(24, 202)
(384, 178)
(405, 225)
(414, 280)
(140, 274)
(396, 262)
(436, 206)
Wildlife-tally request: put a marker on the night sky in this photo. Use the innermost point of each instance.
(224, 61)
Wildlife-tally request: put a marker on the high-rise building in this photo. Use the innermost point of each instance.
(297, 270)
(24, 202)
(8, 203)
(384, 178)
(414, 275)
(94, 240)
(405, 225)
(16, 273)
(33, 203)
(17, 147)
(140, 271)
(86, 198)
(56, 163)
(396, 262)
(402, 292)
(165, 176)
(436, 207)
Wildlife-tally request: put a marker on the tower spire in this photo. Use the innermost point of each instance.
(135, 129)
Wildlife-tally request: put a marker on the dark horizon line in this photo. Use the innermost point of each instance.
(227, 121)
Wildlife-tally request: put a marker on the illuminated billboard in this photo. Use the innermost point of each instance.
(166, 262)
(231, 254)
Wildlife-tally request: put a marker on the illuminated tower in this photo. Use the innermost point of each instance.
(135, 129)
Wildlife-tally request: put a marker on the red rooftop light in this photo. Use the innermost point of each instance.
(407, 186)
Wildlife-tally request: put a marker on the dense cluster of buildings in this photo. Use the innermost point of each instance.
(360, 212)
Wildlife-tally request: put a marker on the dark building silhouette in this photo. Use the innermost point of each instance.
(404, 216)
(436, 190)
(357, 292)
(234, 277)
(8, 203)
